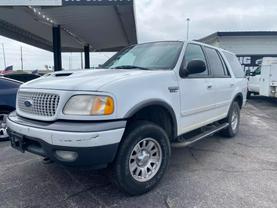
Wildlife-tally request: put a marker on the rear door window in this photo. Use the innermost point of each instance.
(215, 63)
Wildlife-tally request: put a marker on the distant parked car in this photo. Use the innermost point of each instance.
(8, 90)
(22, 77)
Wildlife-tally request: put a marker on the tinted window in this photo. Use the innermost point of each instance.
(234, 63)
(195, 52)
(8, 84)
(215, 62)
(258, 71)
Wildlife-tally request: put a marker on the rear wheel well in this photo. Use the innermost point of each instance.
(239, 99)
(158, 115)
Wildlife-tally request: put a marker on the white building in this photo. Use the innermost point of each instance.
(249, 46)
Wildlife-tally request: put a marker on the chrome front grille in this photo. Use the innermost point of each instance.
(37, 103)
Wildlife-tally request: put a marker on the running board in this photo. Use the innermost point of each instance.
(200, 136)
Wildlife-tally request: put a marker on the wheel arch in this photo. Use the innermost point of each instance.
(155, 103)
(238, 98)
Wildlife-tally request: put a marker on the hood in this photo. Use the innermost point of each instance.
(87, 80)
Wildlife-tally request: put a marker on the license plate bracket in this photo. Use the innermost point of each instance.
(17, 141)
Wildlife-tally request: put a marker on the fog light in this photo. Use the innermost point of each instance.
(66, 155)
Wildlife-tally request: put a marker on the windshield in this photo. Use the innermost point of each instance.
(158, 55)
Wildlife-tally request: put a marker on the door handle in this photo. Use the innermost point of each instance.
(209, 86)
(232, 85)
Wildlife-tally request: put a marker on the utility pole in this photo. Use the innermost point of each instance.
(188, 20)
(21, 57)
(4, 56)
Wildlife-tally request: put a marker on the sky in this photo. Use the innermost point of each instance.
(163, 20)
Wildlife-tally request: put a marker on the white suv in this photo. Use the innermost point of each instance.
(127, 115)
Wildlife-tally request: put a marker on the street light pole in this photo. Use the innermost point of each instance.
(82, 63)
(21, 57)
(188, 20)
(4, 56)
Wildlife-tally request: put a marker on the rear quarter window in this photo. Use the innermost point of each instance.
(235, 65)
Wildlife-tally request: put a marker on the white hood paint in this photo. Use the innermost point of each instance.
(87, 80)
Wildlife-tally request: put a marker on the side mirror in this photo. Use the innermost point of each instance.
(193, 67)
(248, 72)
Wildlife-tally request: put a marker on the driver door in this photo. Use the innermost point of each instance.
(196, 93)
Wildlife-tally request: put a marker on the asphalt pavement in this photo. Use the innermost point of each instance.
(216, 172)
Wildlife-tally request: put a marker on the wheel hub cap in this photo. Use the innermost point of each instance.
(145, 160)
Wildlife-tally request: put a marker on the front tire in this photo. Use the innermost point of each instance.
(233, 119)
(3, 126)
(142, 158)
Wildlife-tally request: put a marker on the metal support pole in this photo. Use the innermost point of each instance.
(87, 58)
(57, 48)
(82, 61)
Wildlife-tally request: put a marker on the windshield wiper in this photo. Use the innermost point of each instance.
(130, 67)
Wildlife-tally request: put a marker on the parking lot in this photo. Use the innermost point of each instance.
(215, 172)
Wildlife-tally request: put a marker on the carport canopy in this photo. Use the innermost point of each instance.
(70, 25)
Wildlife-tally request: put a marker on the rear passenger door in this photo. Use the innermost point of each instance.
(222, 85)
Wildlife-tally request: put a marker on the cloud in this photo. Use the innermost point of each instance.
(165, 20)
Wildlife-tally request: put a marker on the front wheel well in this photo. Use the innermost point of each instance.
(159, 115)
(5, 108)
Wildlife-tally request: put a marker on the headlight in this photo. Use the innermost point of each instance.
(89, 105)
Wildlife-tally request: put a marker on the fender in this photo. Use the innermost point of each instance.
(238, 95)
(154, 102)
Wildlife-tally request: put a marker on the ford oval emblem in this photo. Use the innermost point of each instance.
(28, 103)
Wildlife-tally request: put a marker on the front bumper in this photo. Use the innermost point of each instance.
(94, 143)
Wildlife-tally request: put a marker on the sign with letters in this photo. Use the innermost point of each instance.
(30, 2)
(252, 61)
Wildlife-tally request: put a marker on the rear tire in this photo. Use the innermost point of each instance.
(142, 158)
(233, 119)
(249, 94)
